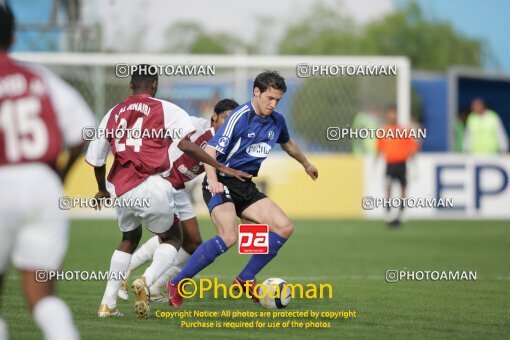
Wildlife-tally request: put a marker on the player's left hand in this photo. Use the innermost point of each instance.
(240, 175)
(312, 171)
(99, 197)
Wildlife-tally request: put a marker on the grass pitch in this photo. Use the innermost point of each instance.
(353, 256)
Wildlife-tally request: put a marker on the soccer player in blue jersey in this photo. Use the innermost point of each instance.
(242, 143)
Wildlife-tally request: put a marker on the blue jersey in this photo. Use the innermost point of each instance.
(245, 139)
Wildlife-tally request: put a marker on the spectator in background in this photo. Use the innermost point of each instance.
(485, 134)
(460, 129)
(396, 152)
(367, 118)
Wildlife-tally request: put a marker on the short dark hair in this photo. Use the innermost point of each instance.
(143, 76)
(225, 105)
(270, 79)
(7, 26)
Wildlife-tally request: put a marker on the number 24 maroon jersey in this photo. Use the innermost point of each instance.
(139, 132)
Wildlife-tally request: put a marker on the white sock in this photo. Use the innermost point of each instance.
(119, 264)
(163, 258)
(144, 253)
(400, 213)
(180, 260)
(4, 334)
(55, 319)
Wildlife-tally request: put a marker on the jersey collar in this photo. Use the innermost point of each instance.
(139, 96)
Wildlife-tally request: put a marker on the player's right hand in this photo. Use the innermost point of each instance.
(215, 187)
(99, 197)
(240, 175)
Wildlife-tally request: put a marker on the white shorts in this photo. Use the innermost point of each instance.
(183, 206)
(158, 217)
(33, 230)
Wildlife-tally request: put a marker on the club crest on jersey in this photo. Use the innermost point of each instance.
(223, 142)
(259, 150)
(270, 135)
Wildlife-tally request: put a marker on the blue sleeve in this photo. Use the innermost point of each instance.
(284, 133)
(229, 131)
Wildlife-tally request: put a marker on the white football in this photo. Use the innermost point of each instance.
(274, 293)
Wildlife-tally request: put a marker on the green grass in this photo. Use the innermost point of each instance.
(351, 255)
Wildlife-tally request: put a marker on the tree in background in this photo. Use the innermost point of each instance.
(325, 31)
(190, 37)
(430, 45)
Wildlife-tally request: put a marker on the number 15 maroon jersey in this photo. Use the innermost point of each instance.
(38, 114)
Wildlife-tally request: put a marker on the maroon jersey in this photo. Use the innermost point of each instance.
(38, 111)
(185, 167)
(139, 132)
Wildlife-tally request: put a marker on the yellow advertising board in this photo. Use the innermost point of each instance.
(336, 194)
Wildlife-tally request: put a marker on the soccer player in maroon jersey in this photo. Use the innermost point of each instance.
(39, 113)
(184, 169)
(141, 161)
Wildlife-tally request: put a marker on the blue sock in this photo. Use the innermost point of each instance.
(205, 254)
(257, 262)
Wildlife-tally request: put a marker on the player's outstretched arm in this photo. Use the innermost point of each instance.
(193, 150)
(97, 155)
(293, 150)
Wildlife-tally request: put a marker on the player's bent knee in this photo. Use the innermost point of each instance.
(129, 243)
(286, 229)
(230, 239)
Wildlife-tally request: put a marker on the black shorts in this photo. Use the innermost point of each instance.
(397, 171)
(242, 194)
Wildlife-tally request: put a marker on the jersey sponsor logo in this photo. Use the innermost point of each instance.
(270, 135)
(251, 135)
(189, 173)
(253, 239)
(223, 141)
(195, 168)
(259, 150)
